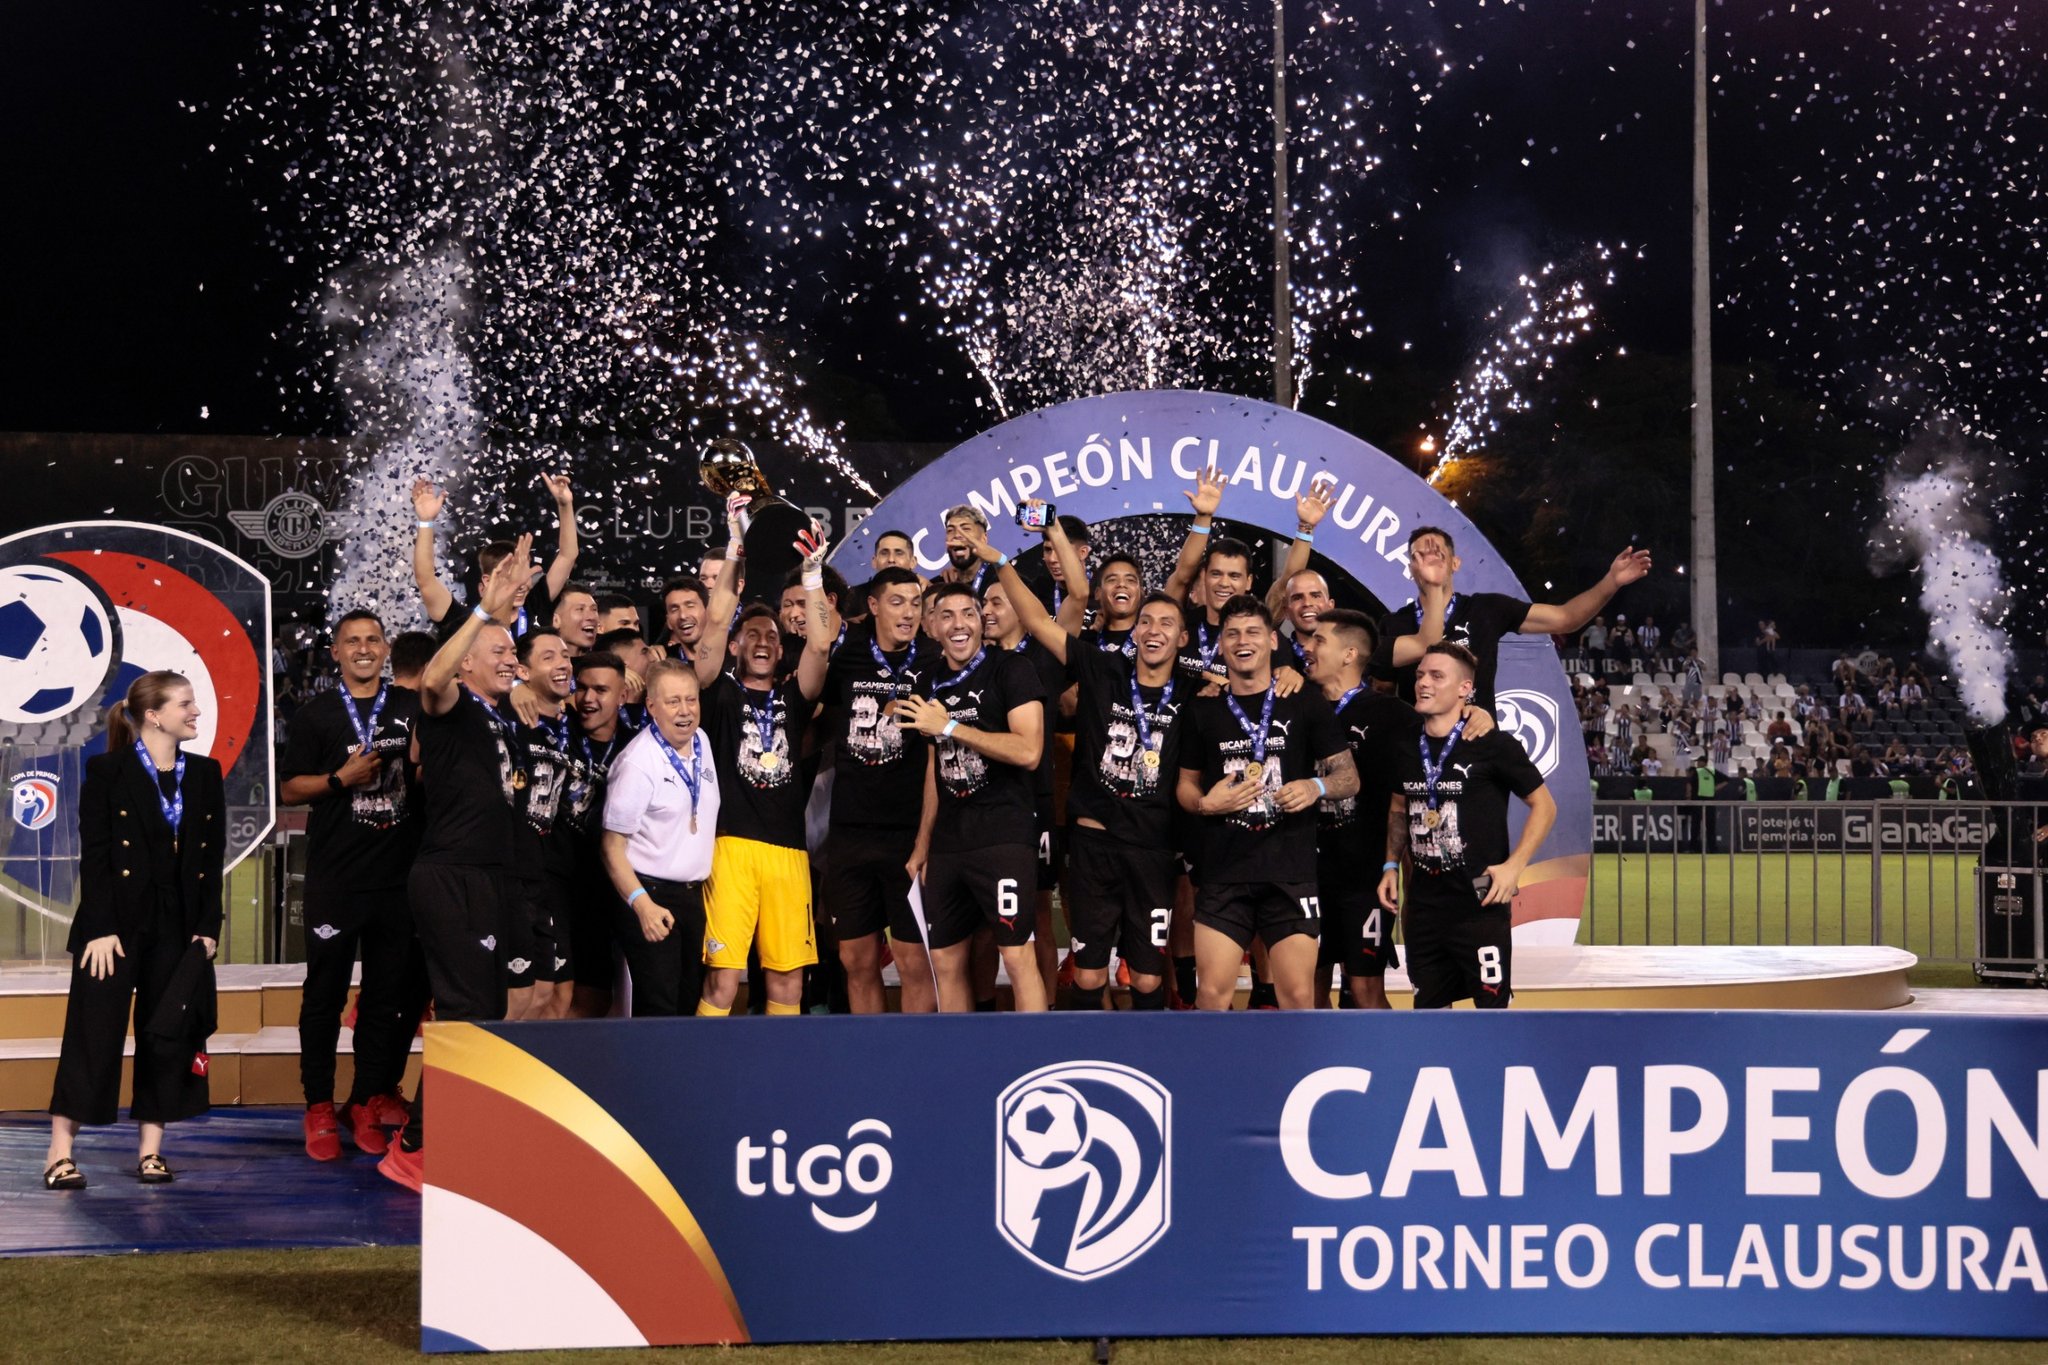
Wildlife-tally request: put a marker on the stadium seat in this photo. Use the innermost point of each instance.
(1777, 680)
(1730, 679)
(1754, 679)
(1663, 680)
(1641, 680)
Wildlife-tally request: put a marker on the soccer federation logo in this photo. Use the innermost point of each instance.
(1083, 1166)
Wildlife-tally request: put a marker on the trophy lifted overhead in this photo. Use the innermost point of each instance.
(772, 521)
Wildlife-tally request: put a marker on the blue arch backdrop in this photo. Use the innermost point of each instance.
(1133, 454)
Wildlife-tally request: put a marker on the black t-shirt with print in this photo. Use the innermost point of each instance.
(466, 765)
(1351, 833)
(548, 769)
(1125, 783)
(878, 779)
(982, 802)
(1478, 621)
(1471, 832)
(762, 784)
(1198, 655)
(361, 837)
(535, 613)
(579, 822)
(1262, 843)
(1052, 680)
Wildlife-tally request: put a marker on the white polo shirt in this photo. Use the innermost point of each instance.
(648, 803)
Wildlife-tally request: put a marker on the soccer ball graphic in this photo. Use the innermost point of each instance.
(1047, 1125)
(56, 643)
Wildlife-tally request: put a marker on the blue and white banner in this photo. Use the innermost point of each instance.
(666, 1181)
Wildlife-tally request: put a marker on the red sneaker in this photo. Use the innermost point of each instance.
(323, 1132)
(404, 1168)
(363, 1129)
(389, 1110)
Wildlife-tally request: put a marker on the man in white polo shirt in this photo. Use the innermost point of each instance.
(660, 822)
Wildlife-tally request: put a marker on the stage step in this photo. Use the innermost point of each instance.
(250, 998)
(259, 1067)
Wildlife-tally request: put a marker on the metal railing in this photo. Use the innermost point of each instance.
(1952, 882)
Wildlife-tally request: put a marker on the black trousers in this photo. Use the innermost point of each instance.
(459, 911)
(88, 1086)
(668, 977)
(376, 923)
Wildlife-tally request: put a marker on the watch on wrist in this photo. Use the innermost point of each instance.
(334, 782)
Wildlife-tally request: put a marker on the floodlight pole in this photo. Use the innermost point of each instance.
(1283, 304)
(1706, 575)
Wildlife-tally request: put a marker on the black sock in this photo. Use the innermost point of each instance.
(1154, 999)
(987, 1006)
(1081, 998)
(1184, 979)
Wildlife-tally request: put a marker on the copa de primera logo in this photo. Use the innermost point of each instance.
(1084, 1156)
(1531, 717)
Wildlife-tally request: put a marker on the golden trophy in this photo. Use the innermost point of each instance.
(772, 522)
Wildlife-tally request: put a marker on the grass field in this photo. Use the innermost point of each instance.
(361, 1307)
(1927, 903)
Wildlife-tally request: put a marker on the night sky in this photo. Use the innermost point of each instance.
(1877, 210)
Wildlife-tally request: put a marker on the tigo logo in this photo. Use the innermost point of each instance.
(1083, 1166)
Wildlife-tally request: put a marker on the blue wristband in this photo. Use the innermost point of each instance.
(951, 726)
(1389, 867)
(1198, 530)
(1321, 790)
(638, 892)
(1001, 559)
(479, 613)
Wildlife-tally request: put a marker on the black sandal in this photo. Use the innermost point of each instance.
(63, 1175)
(152, 1170)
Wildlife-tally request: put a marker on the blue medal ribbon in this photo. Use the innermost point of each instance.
(1345, 700)
(366, 731)
(691, 775)
(940, 685)
(1138, 710)
(1432, 772)
(1258, 736)
(1205, 646)
(1449, 607)
(173, 806)
(889, 672)
(557, 730)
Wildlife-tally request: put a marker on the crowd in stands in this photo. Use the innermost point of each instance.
(1653, 713)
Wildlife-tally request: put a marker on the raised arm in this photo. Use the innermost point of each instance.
(565, 539)
(1433, 599)
(494, 598)
(1309, 510)
(427, 500)
(1073, 615)
(821, 622)
(1031, 613)
(1545, 618)
(709, 656)
(1206, 497)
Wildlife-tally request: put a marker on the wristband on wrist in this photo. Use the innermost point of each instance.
(1304, 533)
(1389, 867)
(1198, 529)
(1001, 559)
(951, 726)
(479, 613)
(1321, 790)
(638, 892)
(814, 578)
(426, 526)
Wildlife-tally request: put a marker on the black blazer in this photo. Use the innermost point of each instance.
(125, 849)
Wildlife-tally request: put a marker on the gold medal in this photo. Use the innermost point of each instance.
(1151, 758)
(519, 779)
(1432, 818)
(770, 761)
(693, 822)
(1254, 771)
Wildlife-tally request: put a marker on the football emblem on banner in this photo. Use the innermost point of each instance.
(1531, 717)
(1083, 1166)
(85, 609)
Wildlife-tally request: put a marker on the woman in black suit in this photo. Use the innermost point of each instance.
(151, 833)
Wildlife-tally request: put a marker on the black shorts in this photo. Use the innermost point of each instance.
(982, 886)
(553, 901)
(1052, 845)
(866, 888)
(1459, 954)
(519, 945)
(460, 913)
(1269, 911)
(1358, 933)
(1118, 896)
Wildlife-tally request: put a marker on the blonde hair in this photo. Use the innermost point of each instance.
(150, 692)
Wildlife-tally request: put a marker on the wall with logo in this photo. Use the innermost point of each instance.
(673, 1181)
